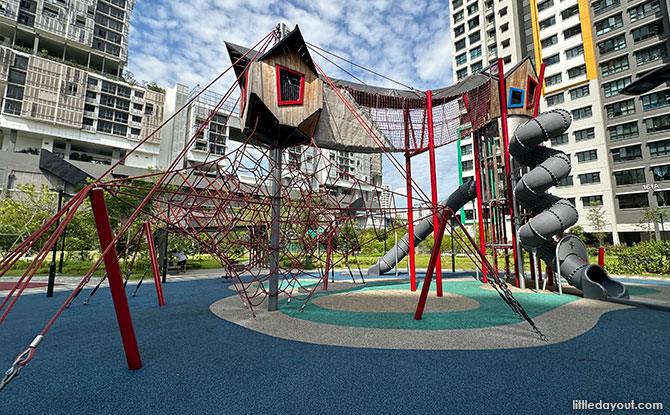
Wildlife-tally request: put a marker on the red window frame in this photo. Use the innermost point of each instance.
(530, 98)
(280, 68)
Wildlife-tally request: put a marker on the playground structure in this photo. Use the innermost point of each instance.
(289, 110)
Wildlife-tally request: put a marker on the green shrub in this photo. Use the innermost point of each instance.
(651, 257)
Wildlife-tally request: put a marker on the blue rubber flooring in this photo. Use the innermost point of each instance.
(196, 363)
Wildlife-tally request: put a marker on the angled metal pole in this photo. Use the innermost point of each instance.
(106, 237)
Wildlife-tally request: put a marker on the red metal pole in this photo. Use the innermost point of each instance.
(510, 191)
(154, 264)
(410, 223)
(478, 182)
(418, 314)
(601, 257)
(106, 237)
(433, 185)
(539, 268)
(538, 91)
(550, 275)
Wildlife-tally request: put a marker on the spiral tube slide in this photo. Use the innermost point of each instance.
(462, 195)
(553, 215)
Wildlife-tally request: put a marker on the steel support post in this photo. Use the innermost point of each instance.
(410, 223)
(433, 184)
(101, 216)
(154, 264)
(273, 301)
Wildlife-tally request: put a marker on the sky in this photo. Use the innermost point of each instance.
(177, 41)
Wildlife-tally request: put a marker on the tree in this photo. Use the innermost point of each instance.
(596, 218)
(651, 218)
(578, 231)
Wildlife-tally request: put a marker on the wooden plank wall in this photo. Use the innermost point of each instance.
(263, 82)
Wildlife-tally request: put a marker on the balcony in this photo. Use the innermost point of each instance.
(134, 124)
(90, 100)
(89, 114)
(135, 111)
(88, 127)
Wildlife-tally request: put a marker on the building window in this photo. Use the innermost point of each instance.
(577, 71)
(561, 139)
(629, 153)
(620, 109)
(475, 37)
(476, 52)
(551, 40)
(459, 30)
(589, 178)
(477, 66)
(12, 107)
(503, 11)
(473, 8)
(505, 43)
(551, 60)
(643, 10)
(460, 44)
(612, 88)
(615, 65)
(20, 62)
(585, 134)
(656, 124)
(149, 109)
(633, 201)
(651, 54)
(458, 16)
(462, 73)
(658, 99)
(457, 4)
(648, 31)
(602, 6)
(467, 165)
(613, 44)
(633, 176)
(466, 149)
(544, 5)
(609, 24)
(14, 92)
(553, 80)
(661, 173)
(461, 59)
(592, 200)
(564, 182)
(547, 22)
(582, 91)
(588, 155)
(659, 148)
(623, 131)
(472, 23)
(571, 200)
(290, 86)
(573, 31)
(663, 198)
(574, 52)
(569, 12)
(17, 77)
(555, 99)
(581, 113)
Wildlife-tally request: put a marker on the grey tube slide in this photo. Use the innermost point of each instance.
(553, 215)
(462, 195)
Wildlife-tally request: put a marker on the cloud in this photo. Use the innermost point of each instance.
(176, 41)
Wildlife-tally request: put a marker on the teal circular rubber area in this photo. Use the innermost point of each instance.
(492, 310)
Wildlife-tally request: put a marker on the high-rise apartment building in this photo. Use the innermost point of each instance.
(592, 50)
(61, 91)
